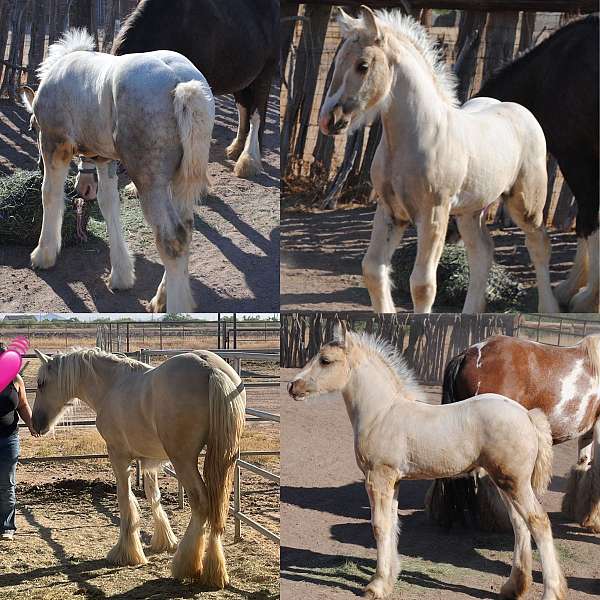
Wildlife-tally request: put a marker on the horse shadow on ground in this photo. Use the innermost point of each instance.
(82, 572)
(19, 145)
(419, 538)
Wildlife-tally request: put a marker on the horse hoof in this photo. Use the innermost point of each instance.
(247, 167)
(123, 281)
(234, 150)
(43, 259)
(157, 305)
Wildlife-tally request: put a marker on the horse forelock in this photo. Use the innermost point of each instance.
(73, 40)
(405, 27)
(390, 356)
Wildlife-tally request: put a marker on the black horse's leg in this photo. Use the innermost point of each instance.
(243, 100)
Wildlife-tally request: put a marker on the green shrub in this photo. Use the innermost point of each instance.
(503, 293)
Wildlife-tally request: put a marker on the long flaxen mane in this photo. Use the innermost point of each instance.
(392, 359)
(73, 364)
(74, 40)
(404, 28)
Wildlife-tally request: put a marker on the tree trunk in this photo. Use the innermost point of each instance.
(38, 39)
(80, 14)
(527, 29)
(52, 10)
(6, 10)
(112, 14)
(12, 76)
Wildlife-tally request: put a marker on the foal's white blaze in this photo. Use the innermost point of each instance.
(479, 347)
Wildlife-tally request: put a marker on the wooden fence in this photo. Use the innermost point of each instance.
(427, 342)
(326, 169)
(28, 27)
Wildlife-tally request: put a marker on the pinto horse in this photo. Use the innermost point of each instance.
(235, 44)
(155, 113)
(161, 414)
(398, 435)
(563, 382)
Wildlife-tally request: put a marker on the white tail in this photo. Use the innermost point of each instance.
(194, 107)
(542, 471)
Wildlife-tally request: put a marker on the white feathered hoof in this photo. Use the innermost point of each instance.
(44, 257)
(122, 280)
(163, 541)
(247, 166)
(127, 554)
(158, 304)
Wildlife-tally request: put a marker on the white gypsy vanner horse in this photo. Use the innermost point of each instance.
(166, 413)
(398, 435)
(435, 158)
(155, 113)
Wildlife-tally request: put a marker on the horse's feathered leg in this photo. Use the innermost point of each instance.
(122, 274)
(480, 251)
(531, 511)
(128, 550)
(587, 299)
(249, 163)
(528, 215)
(386, 235)
(520, 574)
(187, 562)
(431, 233)
(57, 157)
(163, 539)
(382, 490)
(236, 147)
(589, 489)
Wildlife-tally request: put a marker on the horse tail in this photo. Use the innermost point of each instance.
(194, 107)
(447, 499)
(542, 470)
(227, 406)
(450, 375)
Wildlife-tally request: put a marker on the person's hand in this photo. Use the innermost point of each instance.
(34, 433)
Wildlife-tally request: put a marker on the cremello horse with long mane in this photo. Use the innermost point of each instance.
(167, 413)
(397, 435)
(435, 158)
(155, 113)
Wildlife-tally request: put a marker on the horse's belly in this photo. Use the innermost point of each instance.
(468, 202)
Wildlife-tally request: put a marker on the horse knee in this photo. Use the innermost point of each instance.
(374, 273)
(422, 290)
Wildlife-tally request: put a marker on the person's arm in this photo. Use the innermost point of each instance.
(23, 408)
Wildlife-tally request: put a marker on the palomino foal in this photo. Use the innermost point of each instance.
(435, 158)
(397, 435)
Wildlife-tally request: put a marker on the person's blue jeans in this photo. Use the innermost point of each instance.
(9, 454)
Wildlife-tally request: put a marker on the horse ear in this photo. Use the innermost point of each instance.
(347, 24)
(27, 94)
(371, 23)
(339, 333)
(43, 358)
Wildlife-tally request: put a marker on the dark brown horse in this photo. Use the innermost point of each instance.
(564, 383)
(558, 82)
(233, 43)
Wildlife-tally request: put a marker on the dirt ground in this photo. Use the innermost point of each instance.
(234, 262)
(327, 547)
(321, 253)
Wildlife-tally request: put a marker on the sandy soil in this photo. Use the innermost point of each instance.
(68, 520)
(327, 547)
(234, 262)
(321, 253)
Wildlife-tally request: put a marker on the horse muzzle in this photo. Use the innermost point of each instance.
(297, 389)
(40, 423)
(333, 122)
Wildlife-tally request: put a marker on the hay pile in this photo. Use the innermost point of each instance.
(21, 209)
(503, 294)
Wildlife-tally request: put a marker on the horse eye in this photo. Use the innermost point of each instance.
(362, 67)
(324, 361)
